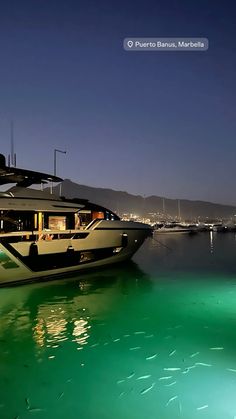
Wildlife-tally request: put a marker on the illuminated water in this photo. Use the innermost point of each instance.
(152, 339)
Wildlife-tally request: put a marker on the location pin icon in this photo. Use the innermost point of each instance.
(130, 44)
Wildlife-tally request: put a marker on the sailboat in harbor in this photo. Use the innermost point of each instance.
(174, 226)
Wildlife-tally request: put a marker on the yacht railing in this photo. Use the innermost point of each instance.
(92, 224)
(44, 235)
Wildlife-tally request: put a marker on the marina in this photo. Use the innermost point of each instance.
(151, 337)
(117, 210)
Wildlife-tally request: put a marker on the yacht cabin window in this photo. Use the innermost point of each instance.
(57, 222)
(11, 221)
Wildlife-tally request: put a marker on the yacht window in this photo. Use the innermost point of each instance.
(109, 216)
(16, 221)
(85, 217)
(57, 222)
(98, 215)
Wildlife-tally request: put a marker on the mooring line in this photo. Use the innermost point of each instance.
(162, 244)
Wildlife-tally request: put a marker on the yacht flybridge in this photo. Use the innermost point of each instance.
(43, 235)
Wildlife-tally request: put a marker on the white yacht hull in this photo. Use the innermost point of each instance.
(105, 243)
(175, 230)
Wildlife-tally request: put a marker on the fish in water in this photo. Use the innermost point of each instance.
(36, 409)
(139, 333)
(120, 381)
(194, 354)
(171, 400)
(231, 369)
(144, 391)
(203, 364)
(188, 369)
(165, 377)
(27, 402)
(135, 348)
(202, 407)
(172, 369)
(148, 336)
(180, 407)
(116, 340)
(172, 353)
(151, 357)
(171, 384)
(216, 348)
(131, 375)
(144, 377)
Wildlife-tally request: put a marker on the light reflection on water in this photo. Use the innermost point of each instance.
(104, 344)
(211, 242)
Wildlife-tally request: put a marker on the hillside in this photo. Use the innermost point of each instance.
(123, 202)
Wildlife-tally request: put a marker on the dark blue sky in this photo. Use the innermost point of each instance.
(158, 123)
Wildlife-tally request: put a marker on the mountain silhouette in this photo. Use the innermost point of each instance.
(122, 202)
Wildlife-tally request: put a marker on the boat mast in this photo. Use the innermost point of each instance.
(163, 207)
(179, 216)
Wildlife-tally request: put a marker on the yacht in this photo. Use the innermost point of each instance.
(174, 227)
(43, 235)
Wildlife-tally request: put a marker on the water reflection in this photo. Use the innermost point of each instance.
(81, 328)
(102, 345)
(64, 310)
(211, 242)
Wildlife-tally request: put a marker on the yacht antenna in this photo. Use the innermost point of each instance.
(13, 155)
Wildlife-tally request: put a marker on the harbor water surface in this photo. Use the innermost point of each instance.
(153, 338)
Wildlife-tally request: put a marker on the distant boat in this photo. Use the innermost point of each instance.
(224, 228)
(230, 227)
(219, 228)
(174, 227)
(43, 235)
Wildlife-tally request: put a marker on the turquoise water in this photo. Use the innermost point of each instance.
(154, 338)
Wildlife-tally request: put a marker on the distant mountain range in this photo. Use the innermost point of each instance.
(123, 202)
